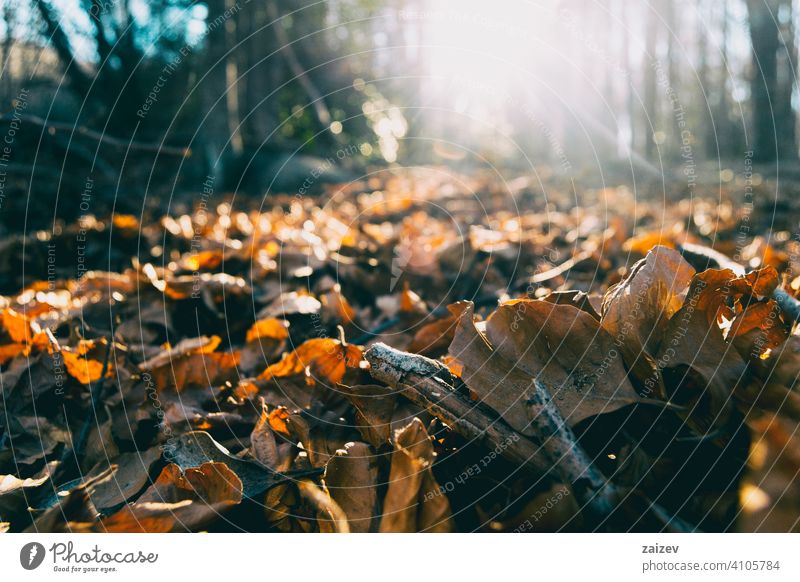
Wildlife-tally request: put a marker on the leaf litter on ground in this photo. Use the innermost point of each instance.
(407, 356)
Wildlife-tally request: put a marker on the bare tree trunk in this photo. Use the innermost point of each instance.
(707, 91)
(263, 75)
(216, 125)
(722, 109)
(670, 127)
(765, 43)
(787, 58)
(649, 65)
(9, 19)
(232, 78)
(630, 101)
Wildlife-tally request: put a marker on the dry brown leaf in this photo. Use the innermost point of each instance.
(693, 343)
(568, 351)
(351, 479)
(16, 325)
(434, 337)
(330, 516)
(336, 308)
(273, 329)
(191, 363)
(265, 447)
(179, 501)
(636, 310)
(414, 502)
(131, 476)
(374, 406)
(503, 377)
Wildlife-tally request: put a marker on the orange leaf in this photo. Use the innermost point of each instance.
(271, 328)
(16, 325)
(84, 370)
(125, 222)
(324, 357)
(277, 420)
(204, 260)
(11, 351)
(338, 305)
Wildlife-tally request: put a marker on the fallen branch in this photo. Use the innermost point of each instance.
(573, 464)
(430, 384)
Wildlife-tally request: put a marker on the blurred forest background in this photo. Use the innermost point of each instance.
(132, 102)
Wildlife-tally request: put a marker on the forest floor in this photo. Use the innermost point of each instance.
(421, 351)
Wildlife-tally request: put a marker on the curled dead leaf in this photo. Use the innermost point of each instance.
(414, 501)
(351, 479)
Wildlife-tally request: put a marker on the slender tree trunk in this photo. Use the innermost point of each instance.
(726, 128)
(263, 75)
(9, 19)
(215, 103)
(670, 127)
(80, 81)
(707, 92)
(296, 67)
(787, 59)
(630, 102)
(765, 43)
(649, 65)
(232, 77)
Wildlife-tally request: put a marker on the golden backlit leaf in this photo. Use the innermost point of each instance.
(16, 325)
(272, 328)
(336, 307)
(10, 351)
(323, 358)
(193, 362)
(83, 369)
(125, 222)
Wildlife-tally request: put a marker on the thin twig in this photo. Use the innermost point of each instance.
(430, 384)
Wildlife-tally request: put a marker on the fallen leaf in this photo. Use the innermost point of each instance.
(321, 358)
(351, 479)
(414, 502)
(636, 310)
(179, 500)
(568, 351)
